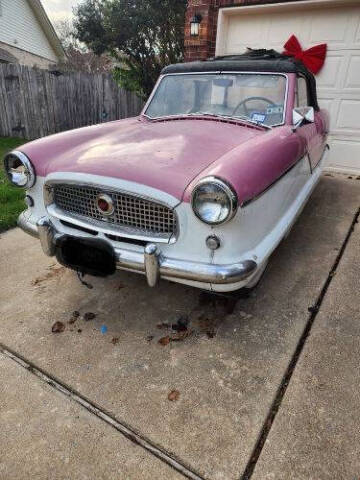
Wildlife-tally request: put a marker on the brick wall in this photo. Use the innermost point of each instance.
(203, 46)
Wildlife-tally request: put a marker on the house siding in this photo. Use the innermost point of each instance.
(27, 58)
(203, 46)
(20, 29)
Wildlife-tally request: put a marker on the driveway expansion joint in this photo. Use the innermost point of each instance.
(250, 467)
(101, 413)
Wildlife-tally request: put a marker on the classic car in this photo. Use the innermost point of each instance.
(200, 188)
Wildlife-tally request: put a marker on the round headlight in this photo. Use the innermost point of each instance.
(214, 201)
(19, 170)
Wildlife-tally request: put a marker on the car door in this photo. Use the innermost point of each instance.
(312, 133)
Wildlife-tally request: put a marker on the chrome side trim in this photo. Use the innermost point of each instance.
(151, 262)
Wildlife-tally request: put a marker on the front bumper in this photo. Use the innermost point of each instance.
(151, 261)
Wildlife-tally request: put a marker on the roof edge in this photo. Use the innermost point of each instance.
(48, 27)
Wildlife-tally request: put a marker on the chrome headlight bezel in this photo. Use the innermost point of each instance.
(28, 174)
(226, 189)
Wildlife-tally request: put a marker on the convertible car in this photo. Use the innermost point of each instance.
(199, 189)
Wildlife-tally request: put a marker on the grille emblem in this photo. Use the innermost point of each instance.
(105, 204)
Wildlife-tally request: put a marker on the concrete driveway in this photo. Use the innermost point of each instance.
(266, 391)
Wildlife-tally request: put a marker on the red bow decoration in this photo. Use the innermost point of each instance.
(313, 58)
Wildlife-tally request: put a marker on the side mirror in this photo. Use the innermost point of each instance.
(301, 115)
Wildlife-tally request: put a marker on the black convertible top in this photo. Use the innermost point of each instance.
(251, 61)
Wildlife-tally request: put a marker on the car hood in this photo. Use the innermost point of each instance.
(166, 155)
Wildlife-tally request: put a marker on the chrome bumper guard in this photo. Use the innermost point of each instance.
(151, 262)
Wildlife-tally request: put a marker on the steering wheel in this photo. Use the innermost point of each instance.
(250, 99)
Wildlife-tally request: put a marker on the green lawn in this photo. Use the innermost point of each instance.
(11, 198)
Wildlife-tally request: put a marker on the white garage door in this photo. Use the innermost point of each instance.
(339, 80)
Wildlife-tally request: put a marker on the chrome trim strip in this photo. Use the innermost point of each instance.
(153, 264)
(126, 232)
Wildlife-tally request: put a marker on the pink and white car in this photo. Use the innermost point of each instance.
(199, 189)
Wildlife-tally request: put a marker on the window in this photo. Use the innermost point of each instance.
(302, 93)
(257, 97)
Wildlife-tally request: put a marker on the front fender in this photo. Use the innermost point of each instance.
(255, 165)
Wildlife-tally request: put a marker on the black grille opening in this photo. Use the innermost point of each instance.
(77, 227)
(133, 241)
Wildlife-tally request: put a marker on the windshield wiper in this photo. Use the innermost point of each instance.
(240, 117)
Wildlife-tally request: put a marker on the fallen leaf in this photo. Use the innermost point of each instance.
(181, 324)
(210, 333)
(52, 273)
(180, 336)
(74, 317)
(115, 340)
(162, 325)
(174, 395)
(79, 331)
(164, 340)
(58, 327)
(149, 338)
(89, 316)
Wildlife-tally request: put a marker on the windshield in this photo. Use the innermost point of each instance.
(257, 97)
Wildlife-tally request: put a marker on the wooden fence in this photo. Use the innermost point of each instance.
(35, 103)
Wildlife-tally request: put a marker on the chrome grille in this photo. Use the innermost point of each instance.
(130, 211)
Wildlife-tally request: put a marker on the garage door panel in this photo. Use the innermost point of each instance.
(253, 34)
(357, 36)
(332, 29)
(329, 76)
(352, 79)
(348, 117)
(341, 71)
(279, 29)
(344, 117)
(344, 155)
